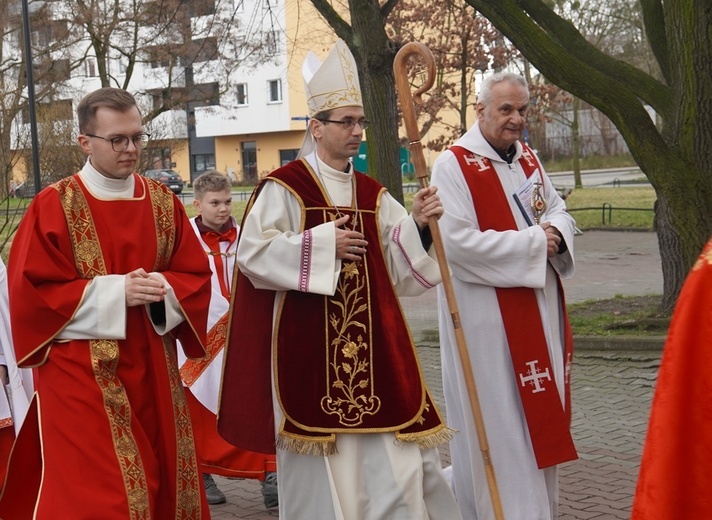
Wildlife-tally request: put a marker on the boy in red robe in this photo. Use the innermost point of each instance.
(217, 231)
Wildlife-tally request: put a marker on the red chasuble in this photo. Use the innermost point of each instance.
(111, 415)
(547, 420)
(343, 363)
(676, 468)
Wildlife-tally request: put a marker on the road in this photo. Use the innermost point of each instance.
(605, 178)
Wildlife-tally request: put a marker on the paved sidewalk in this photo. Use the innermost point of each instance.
(611, 390)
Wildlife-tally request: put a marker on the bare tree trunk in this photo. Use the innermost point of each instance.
(374, 55)
(576, 143)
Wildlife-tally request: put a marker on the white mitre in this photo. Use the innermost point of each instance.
(328, 85)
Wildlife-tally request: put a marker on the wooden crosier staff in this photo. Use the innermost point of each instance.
(407, 99)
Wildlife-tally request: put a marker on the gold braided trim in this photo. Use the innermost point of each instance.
(105, 360)
(428, 439)
(302, 445)
(187, 474)
(192, 369)
(162, 202)
(88, 256)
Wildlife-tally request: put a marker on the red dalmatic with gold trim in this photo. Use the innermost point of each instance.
(110, 415)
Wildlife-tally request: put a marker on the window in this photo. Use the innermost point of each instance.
(48, 32)
(249, 161)
(275, 90)
(272, 42)
(51, 71)
(91, 67)
(287, 156)
(241, 90)
(119, 65)
(203, 162)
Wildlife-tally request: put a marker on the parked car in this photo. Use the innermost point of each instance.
(26, 189)
(170, 178)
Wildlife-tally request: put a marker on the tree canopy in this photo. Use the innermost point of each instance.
(675, 153)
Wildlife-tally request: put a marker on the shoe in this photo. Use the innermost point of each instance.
(212, 492)
(269, 490)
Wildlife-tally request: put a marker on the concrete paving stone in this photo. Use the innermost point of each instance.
(611, 512)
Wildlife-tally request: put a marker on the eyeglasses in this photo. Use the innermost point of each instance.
(349, 123)
(121, 143)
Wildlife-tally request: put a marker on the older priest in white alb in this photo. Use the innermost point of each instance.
(506, 270)
(326, 249)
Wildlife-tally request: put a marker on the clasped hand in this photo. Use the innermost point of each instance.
(143, 288)
(553, 238)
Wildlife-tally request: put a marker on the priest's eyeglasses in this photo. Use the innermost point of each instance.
(349, 123)
(121, 143)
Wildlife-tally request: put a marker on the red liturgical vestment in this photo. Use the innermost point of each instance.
(111, 415)
(344, 363)
(675, 471)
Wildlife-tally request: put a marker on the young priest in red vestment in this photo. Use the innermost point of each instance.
(105, 274)
(217, 231)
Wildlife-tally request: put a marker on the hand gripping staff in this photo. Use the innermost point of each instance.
(407, 99)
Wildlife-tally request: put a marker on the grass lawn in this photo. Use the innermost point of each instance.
(625, 207)
(622, 207)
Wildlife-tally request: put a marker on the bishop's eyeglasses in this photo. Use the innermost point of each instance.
(349, 123)
(121, 142)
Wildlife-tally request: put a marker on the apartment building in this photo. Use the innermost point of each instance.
(220, 79)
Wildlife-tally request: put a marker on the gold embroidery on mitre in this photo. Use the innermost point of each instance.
(333, 83)
(350, 365)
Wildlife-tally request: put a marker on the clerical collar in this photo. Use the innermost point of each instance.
(508, 155)
(103, 186)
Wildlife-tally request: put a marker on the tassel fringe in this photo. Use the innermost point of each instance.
(304, 446)
(426, 440)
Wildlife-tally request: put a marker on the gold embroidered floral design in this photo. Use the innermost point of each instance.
(350, 368)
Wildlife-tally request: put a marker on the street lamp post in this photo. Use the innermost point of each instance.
(31, 96)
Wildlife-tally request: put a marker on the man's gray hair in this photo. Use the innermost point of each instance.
(485, 95)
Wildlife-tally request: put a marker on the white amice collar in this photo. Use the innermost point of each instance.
(105, 187)
(332, 173)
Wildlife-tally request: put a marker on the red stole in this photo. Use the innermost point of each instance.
(344, 363)
(548, 422)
